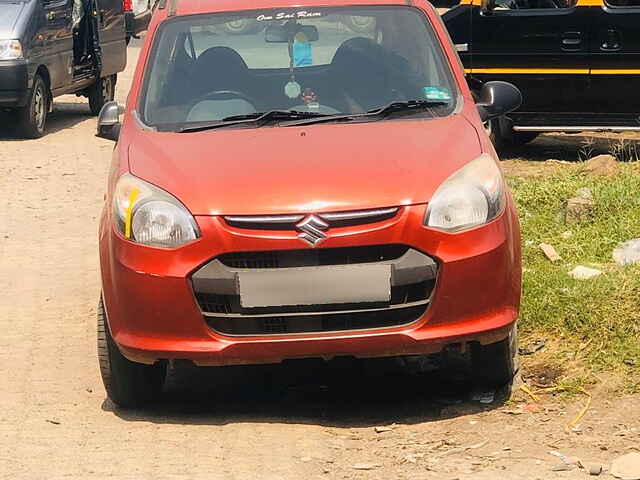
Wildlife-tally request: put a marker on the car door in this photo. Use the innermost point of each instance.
(615, 50)
(57, 42)
(142, 10)
(542, 47)
(112, 36)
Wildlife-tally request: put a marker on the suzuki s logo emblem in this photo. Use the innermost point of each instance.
(312, 230)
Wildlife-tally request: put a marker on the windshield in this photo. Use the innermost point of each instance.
(325, 61)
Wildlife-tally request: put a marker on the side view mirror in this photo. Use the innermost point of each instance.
(497, 99)
(109, 121)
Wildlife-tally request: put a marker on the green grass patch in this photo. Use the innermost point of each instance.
(593, 323)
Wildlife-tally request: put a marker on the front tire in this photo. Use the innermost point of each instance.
(128, 384)
(492, 127)
(502, 135)
(101, 92)
(495, 365)
(33, 116)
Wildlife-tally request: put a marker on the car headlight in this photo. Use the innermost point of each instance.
(148, 215)
(472, 196)
(10, 50)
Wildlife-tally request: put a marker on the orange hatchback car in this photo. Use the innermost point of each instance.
(315, 184)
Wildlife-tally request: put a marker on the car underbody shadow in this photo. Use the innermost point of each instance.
(344, 392)
(571, 147)
(64, 115)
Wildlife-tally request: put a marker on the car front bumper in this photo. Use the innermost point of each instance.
(14, 83)
(153, 314)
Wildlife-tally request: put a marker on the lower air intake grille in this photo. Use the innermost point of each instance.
(315, 323)
(230, 304)
(216, 288)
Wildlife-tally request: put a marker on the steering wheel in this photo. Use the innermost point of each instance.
(224, 95)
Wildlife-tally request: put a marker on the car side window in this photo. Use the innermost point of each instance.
(509, 5)
(623, 3)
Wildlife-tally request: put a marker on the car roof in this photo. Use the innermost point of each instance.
(190, 7)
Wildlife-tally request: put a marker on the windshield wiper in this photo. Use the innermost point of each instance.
(379, 113)
(257, 119)
(405, 106)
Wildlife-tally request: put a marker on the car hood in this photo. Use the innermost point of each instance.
(329, 167)
(9, 14)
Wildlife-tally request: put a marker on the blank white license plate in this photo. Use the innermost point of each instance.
(315, 285)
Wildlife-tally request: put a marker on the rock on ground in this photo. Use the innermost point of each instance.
(593, 468)
(584, 192)
(626, 467)
(550, 252)
(627, 253)
(584, 273)
(601, 166)
(578, 209)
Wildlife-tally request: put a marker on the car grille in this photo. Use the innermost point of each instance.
(313, 257)
(333, 220)
(216, 291)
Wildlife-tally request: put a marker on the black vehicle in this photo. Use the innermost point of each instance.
(137, 15)
(576, 62)
(55, 47)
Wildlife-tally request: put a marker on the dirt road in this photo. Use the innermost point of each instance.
(286, 422)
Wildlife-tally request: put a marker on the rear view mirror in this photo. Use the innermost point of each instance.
(109, 121)
(497, 99)
(282, 33)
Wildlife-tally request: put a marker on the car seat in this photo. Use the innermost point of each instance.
(220, 68)
(359, 72)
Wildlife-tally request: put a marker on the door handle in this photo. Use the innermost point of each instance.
(571, 41)
(612, 41)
